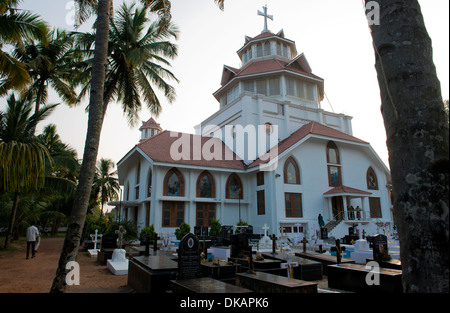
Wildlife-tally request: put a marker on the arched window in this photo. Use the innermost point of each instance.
(334, 168)
(234, 188)
(174, 183)
(332, 153)
(259, 50)
(372, 181)
(205, 185)
(291, 172)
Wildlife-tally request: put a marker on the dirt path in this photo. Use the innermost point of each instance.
(35, 275)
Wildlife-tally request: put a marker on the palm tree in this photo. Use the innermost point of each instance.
(23, 157)
(49, 62)
(106, 184)
(102, 8)
(133, 63)
(14, 28)
(417, 139)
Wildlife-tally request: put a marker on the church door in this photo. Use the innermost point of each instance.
(337, 205)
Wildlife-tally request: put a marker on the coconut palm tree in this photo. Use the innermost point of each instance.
(15, 26)
(135, 63)
(49, 62)
(102, 8)
(23, 158)
(106, 184)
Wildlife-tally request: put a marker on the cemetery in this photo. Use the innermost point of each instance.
(240, 261)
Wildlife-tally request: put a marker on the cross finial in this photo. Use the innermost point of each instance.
(266, 16)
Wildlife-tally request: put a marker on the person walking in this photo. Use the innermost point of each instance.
(32, 237)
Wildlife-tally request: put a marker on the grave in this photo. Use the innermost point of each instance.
(239, 245)
(380, 248)
(109, 243)
(353, 277)
(205, 285)
(152, 273)
(118, 264)
(189, 257)
(265, 242)
(324, 259)
(306, 269)
(261, 282)
(94, 252)
(219, 269)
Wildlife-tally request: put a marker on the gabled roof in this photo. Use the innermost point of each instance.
(346, 190)
(310, 128)
(164, 148)
(297, 66)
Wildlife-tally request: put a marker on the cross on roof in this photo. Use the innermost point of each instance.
(266, 16)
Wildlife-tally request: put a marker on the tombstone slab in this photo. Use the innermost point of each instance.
(189, 257)
(352, 277)
(205, 285)
(261, 282)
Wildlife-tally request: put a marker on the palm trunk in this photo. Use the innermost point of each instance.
(417, 140)
(78, 214)
(12, 220)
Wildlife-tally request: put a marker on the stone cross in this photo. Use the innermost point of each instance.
(121, 231)
(266, 16)
(304, 241)
(274, 244)
(266, 228)
(94, 237)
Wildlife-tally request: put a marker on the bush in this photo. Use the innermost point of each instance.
(148, 231)
(129, 226)
(216, 227)
(182, 230)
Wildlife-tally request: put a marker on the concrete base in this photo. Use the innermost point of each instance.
(118, 268)
(93, 253)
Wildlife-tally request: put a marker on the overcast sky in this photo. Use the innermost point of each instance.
(333, 35)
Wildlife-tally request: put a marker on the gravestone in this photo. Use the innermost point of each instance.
(118, 264)
(107, 248)
(189, 257)
(380, 248)
(239, 245)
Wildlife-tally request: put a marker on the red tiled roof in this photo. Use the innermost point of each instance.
(158, 148)
(345, 189)
(151, 123)
(270, 65)
(310, 128)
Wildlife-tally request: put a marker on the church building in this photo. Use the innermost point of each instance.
(269, 156)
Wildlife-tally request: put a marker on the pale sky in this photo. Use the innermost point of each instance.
(333, 35)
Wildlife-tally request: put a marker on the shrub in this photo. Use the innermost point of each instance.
(182, 230)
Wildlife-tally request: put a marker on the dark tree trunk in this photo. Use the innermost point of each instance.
(417, 140)
(9, 234)
(95, 121)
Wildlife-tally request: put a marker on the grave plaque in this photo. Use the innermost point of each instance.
(189, 257)
(380, 248)
(239, 245)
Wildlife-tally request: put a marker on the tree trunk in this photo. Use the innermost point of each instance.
(12, 220)
(95, 120)
(417, 140)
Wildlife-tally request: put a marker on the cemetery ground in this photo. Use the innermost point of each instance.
(35, 275)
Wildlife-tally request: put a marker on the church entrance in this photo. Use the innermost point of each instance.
(337, 204)
(205, 213)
